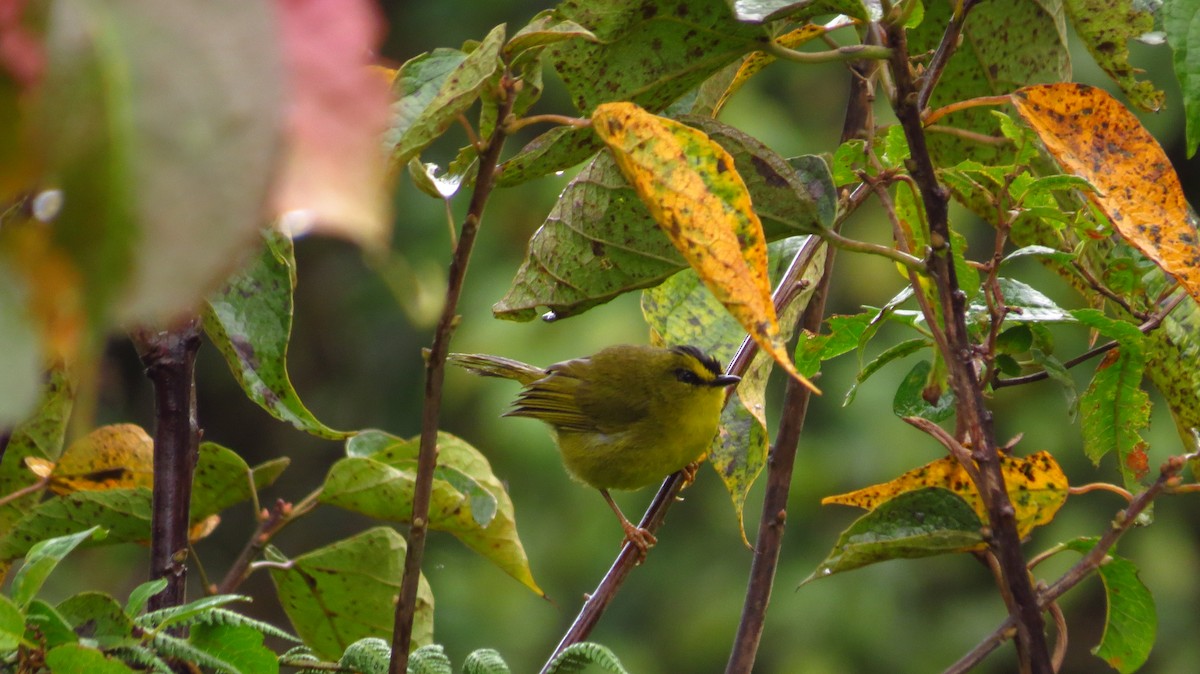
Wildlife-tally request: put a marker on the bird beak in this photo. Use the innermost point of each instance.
(726, 380)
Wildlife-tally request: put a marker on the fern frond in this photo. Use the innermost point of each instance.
(485, 661)
(429, 660)
(577, 656)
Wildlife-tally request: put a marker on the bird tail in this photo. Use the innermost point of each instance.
(497, 366)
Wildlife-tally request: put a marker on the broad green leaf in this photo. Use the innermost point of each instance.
(896, 352)
(546, 28)
(1127, 334)
(703, 206)
(1044, 252)
(682, 311)
(1036, 485)
(239, 645)
(153, 218)
(600, 241)
(345, 591)
(1130, 623)
(107, 624)
(648, 53)
(912, 397)
(1115, 411)
(140, 596)
(12, 625)
(222, 479)
(989, 63)
(40, 436)
(1181, 21)
(79, 658)
(554, 151)
(1089, 133)
(1032, 305)
(41, 560)
(377, 480)
(433, 89)
(843, 337)
(125, 513)
(761, 11)
(1106, 28)
(250, 322)
(920, 523)
(43, 621)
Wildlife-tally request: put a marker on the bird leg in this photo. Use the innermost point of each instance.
(640, 538)
(689, 472)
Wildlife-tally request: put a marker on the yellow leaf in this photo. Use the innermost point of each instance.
(690, 186)
(1089, 133)
(758, 60)
(1036, 485)
(110, 457)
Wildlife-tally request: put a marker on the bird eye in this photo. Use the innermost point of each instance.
(687, 376)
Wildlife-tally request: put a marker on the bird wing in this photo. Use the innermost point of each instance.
(553, 399)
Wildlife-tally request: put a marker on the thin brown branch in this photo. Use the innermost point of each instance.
(170, 360)
(1084, 567)
(1101, 486)
(41, 484)
(516, 125)
(270, 523)
(973, 414)
(946, 48)
(1152, 324)
(952, 445)
(435, 370)
(980, 102)
(973, 136)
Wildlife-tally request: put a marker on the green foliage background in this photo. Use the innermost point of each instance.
(355, 359)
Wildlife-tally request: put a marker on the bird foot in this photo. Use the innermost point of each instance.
(641, 539)
(689, 473)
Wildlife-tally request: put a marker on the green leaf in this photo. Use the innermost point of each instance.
(39, 436)
(41, 560)
(989, 63)
(1031, 305)
(380, 484)
(344, 591)
(1106, 28)
(371, 655)
(12, 625)
(919, 523)
(1040, 252)
(432, 89)
(843, 337)
(141, 595)
(485, 661)
(44, 622)
(649, 53)
(1125, 333)
(239, 645)
(101, 617)
(599, 241)
(222, 479)
(429, 659)
(546, 27)
(1131, 623)
(250, 322)
(153, 218)
(79, 658)
(577, 657)
(1181, 21)
(896, 352)
(125, 513)
(1115, 410)
(910, 400)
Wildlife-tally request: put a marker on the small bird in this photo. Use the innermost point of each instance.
(625, 417)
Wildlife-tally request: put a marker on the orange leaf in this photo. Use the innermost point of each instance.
(690, 186)
(758, 60)
(1090, 134)
(1036, 485)
(110, 457)
(333, 179)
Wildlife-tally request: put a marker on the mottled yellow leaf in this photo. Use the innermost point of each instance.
(1035, 484)
(758, 60)
(119, 456)
(690, 186)
(1089, 133)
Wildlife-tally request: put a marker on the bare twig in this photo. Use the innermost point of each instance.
(1084, 567)
(973, 414)
(852, 52)
(435, 365)
(952, 445)
(270, 523)
(946, 48)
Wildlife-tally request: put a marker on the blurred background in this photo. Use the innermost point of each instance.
(355, 360)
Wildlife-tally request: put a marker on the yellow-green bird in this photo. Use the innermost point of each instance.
(625, 417)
